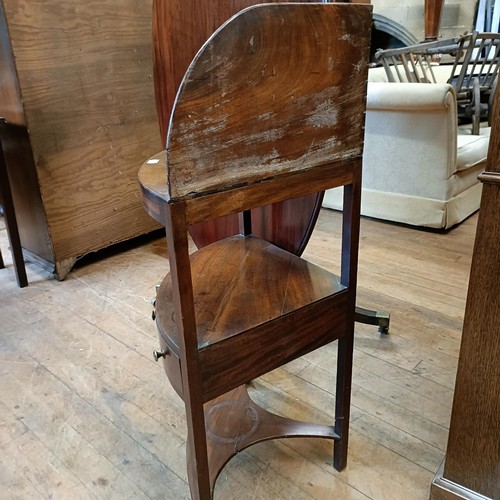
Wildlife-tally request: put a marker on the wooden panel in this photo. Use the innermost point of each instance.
(235, 361)
(84, 72)
(28, 204)
(154, 188)
(180, 28)
(473, 454)
(288, 224)
(253, 112)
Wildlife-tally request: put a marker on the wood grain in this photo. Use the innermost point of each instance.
(262, 109)
(256, 271)
(173, 50)
(433, 11)
(473, 454)
(85, 75)
(155, 194)
(180, 28)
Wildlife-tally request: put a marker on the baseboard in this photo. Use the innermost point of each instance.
(46, 265)
(444, 489)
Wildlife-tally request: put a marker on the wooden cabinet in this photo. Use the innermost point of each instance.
(472, 462)
(76, 84)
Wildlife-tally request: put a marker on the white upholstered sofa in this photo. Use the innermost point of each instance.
(419, 166)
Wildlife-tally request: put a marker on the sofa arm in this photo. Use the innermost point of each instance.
(411, 97)
(410, 139)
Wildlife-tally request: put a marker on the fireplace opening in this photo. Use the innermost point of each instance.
(389, 34)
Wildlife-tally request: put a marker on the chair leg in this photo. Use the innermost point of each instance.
(369, 317)
(197, 454)
(343, 400)
(11, 223)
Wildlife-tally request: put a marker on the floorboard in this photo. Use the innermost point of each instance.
(85, 413)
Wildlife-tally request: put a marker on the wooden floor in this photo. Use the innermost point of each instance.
(85, 412)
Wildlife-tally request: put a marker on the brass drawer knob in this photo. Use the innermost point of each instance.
(160, 354)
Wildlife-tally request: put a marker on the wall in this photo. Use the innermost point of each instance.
(456, 19)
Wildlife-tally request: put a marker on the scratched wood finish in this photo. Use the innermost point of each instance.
(472, 459)
(180, 28)
(241, 116)
(152, 179)
(84, 71)
(287, 224)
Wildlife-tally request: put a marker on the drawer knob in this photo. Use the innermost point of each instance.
(160, 354)
(153, 312)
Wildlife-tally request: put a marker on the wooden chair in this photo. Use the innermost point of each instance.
(271, 108)
(287, 224)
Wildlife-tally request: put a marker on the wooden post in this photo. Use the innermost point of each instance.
(472, 462)
(433, 10)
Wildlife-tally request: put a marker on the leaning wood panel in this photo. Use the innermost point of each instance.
(271, 136)
(85, 76)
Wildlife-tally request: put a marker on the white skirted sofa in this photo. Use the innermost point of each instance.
(419, 166)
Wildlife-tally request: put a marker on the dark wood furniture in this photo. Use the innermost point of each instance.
(9, 212)
(288, 224)
(77, 81)
(472, 461)
(265, 113)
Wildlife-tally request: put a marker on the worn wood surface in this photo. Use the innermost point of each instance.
(180, 28)
(154, 189)
(251, 106)
(86, 413)
(85, 75)
(173, 49)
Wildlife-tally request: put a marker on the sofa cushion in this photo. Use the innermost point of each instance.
(471, 149)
